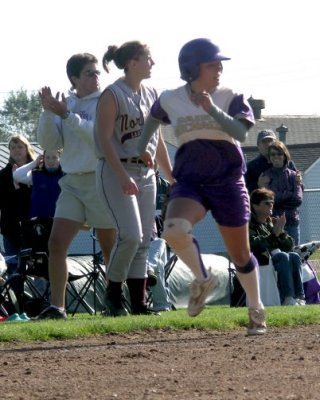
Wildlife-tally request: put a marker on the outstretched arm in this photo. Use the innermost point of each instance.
(150, 126)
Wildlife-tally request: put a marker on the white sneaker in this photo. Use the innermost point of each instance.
(290, 301)
(300, 302)
(199, 292)
(257, 322)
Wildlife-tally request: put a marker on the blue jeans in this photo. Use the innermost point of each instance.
(157, 260)
(289, 270)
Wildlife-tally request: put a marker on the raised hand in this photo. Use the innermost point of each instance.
(53, 103)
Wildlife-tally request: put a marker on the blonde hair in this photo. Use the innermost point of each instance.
(31, 155)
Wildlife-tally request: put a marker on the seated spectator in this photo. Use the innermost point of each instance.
(43, 174)
(157, 259)
(158, 251)
(287, 188)
(268, 239)
(255, 168)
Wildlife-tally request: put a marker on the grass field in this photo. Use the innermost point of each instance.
(222, 318)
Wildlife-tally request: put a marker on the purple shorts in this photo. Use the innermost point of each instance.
(229, 202)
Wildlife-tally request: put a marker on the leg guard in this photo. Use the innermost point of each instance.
(177, 233)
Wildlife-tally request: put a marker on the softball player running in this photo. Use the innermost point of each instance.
(208, 121)
(127, 185)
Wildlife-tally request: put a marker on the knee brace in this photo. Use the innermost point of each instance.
(250, 266)
(177, 233)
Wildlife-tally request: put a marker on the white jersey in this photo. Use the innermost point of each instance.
(132, 110)
(190, 121)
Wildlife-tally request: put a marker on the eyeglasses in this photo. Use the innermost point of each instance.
(92, 72)
(268, 202)
(278, 154)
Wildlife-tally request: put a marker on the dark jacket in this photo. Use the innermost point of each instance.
(288, 193)
(256, 167)
(45, 192)
(263, 240)
(14, 205)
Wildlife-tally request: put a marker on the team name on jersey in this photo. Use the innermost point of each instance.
(194, 123)
(126, 123)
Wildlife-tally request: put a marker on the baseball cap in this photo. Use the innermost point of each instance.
(265, 134)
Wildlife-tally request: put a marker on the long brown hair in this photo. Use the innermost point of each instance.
(31, 155)
(281, 148)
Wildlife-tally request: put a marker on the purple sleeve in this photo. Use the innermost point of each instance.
(158, 112)
(240, 109)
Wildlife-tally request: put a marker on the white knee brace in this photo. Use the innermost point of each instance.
(177, 233)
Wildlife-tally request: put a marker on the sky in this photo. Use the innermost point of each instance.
(273, 44)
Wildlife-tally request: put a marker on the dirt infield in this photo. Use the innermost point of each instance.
(184, 365)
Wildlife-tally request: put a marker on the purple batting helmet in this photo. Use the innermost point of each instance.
(194, 53)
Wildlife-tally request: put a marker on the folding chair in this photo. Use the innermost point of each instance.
(76, 296)
(311, 283)
(269, 292)
(30, 282)
(236, 292)
(8, 300)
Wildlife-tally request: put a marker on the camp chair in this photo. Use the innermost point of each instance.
(269, 292)
(310, 279)
(88, 275)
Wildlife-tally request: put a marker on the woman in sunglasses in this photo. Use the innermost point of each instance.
(268, 239)
(287, 188)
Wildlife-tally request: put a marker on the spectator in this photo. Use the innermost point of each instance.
(67, 123)
(43, 174)
(288, 192)
(208, 121)
(127, 184)
(15, 201)
(159, 252)
(255, 168)
(15, 197)
(268, 239)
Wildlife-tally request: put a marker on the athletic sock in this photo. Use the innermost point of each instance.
(250, 283)
(137, 291)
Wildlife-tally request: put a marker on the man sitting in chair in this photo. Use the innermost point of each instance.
(268, 239)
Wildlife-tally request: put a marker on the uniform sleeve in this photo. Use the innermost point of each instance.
(158, 112)
(240, 109)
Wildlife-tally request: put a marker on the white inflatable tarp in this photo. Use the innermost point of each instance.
(181, 278)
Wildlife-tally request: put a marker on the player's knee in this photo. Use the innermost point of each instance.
(249, 266)
(177, 233)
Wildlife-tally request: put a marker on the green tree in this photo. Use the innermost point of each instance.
(19, 115)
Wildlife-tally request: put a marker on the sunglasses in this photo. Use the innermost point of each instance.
(92, 72)
(276, 154)
(268, 202)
